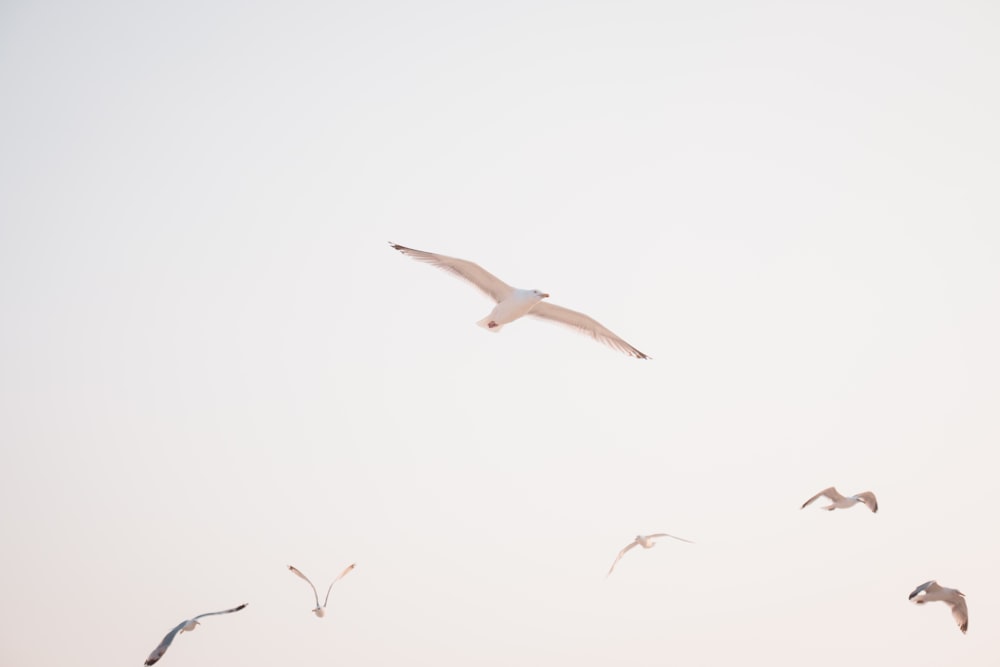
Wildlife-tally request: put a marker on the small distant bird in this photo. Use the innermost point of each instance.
(644, 541)
(843, 502)
(512, 304)
(189, 626)
(955, 598)
(321, 611)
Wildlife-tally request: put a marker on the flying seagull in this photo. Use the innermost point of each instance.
(644, 541)
(321, 611)
(843, 502)
(188, 625)
(514, 303)
(954, 597)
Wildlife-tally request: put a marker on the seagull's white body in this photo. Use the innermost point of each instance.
(187, 625)
(320, 611)
(932, 592)
(513, 304)
(839, 501)
(517, 304)
(644, 541)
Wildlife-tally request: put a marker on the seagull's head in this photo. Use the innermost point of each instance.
(320, 612)
(191, 625)
(540, 294)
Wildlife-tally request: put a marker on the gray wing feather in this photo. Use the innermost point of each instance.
(165, 644)
(922, 587)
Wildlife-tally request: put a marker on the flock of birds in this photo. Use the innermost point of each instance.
(511, 305)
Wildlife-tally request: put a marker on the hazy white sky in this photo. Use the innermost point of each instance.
(213, 366)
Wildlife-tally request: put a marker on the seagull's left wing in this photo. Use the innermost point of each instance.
(620, 554)
(584, 324)
(338, 578)
(165, 644)
(830, 493)
(488, 283)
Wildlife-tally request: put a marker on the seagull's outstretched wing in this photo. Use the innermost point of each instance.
(216, 613)
(620, 554)
(165, 644)
(673, 536)
(585, 324)
(338, 578)
(960, 612)
(926, 586)
(868, 498)
(488, 283)
(830, 493)
(297, 572)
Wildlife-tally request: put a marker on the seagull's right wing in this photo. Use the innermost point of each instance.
(338, 578)
(164, 645)
(960, 611)
(488, 283)
(673, 536)
(620, 554)
(922, 587)
(297, 572)
(830, 493)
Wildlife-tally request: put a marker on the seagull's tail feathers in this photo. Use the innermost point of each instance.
(490, 325)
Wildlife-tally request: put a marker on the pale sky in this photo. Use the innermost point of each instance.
(212, 365)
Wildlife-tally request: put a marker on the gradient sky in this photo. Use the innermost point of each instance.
(212, 366)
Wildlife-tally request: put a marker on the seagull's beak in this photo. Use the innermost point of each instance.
(545, 296)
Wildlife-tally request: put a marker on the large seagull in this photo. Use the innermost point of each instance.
(184, 626)
(513, 304)
(955, 598)
(321, 611)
